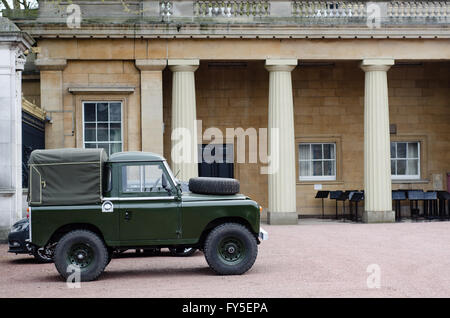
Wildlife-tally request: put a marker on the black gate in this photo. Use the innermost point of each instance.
(33, 137)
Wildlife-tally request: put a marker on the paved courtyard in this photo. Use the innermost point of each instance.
(314, 259)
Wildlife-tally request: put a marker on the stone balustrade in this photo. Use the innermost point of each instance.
(246, 11)
(328, 9)
(418, 9)
(231, 8)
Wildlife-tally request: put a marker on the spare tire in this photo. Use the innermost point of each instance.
(203, 185)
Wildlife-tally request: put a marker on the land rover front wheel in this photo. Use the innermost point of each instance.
(82, 251)
(230, 249)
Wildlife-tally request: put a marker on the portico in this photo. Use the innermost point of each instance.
(317, 90)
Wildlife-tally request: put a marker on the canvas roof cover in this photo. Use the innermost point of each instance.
(66, 176)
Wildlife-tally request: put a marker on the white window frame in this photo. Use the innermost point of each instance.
(317, 178)
(96, 122)
(405, 176)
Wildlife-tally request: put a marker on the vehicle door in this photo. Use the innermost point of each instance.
(148, 206)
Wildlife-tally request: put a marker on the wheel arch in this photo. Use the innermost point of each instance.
(64, 229)
(216, 222)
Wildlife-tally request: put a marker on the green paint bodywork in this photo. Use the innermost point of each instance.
(175, 218)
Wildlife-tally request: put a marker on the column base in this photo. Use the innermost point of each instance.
(282, 218)
(378, 216)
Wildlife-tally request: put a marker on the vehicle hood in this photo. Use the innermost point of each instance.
(190, 197)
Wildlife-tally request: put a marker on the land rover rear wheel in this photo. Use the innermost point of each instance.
(230, 249)
(83, 250)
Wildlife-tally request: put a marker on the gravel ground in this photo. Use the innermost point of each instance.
(314, 259)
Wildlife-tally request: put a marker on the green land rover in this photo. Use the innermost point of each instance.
(83, 206)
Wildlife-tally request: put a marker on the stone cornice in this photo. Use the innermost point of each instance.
(151, 64)
(50, 64)
(102, 90)
(32, 109)
(189, 30)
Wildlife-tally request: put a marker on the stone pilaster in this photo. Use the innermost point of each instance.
(184, 115)
(52, 99)
(152, 104)
(13, 44)
(377, 158)
(282, 183)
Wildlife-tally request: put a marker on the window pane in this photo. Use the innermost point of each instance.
(401, 167)
(115, 112)
(393, 153)
(132, 178)
(413, 167)
(90, 145)
(102, 112)
(89, 112)
(413, 151)
(305, 168)
(317, 168)
(328, 151)
(104, 146)
(393, 170)
(317, 151)
(153, 178)
(89, 132)
(115, 133)
(102, 132)
(401, 150)
(116, 148)
(328, 168)
(305, 152)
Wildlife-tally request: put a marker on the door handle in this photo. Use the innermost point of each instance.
(127, 215)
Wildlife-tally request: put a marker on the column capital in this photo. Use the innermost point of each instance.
(151, 64)
(280, 65)
(371, 65)
(51, 64)
(183, 65)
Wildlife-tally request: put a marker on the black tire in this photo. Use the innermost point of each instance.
(41, 256)
(218, 246)
(110, 256)
(83, 249)
(188, 251)
(204, 185)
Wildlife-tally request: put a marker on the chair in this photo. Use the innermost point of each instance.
(334, 195)
(414, 196)
(444, 196)
(355, 197)
(322, 195)
(397, 197)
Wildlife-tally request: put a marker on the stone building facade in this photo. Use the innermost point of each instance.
(360, 98)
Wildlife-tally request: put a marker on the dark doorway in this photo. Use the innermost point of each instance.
(33, 137)
(221, 168)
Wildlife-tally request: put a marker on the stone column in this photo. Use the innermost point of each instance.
(52, 100)
(282, 183)
(13, 44)
(152, 124)
(184, 126)
(377, 158)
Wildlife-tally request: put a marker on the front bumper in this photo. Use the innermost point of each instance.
(17, 242)
(263, 235)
